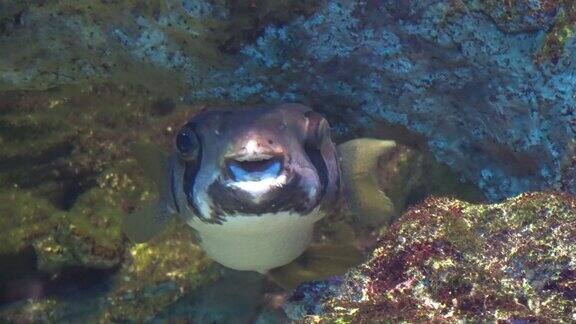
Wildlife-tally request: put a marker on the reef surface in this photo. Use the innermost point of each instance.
(447, 260)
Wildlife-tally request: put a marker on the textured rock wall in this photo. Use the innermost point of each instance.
(487, 85)
(490, 88)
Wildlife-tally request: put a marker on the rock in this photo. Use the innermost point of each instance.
(446, 260)
(88, 235)
(26, 219)
(152, 277)
(68, 178)
(161, 45)
(486, 85)
(523, 16)
(481, 98)
(156, 275)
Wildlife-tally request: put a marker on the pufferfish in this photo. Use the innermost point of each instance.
(254, 183)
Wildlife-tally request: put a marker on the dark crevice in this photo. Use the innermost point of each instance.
(17, 265)
(163, 107)
(48, 173)
(416, 196)
(20, 279)
(51, 154)
(74, 189)
(7, 25)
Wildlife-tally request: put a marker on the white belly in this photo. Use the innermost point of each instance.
(257, 243)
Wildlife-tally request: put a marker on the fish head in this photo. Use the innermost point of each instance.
(254, 162)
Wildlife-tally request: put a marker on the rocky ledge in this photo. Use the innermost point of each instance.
(447, 260)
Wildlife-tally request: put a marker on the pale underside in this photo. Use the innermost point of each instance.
(257, 242)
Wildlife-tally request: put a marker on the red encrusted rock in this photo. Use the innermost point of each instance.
(447, 260)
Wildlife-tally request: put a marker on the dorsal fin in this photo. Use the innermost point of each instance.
(359, 165)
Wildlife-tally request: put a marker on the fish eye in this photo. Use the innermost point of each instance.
(187, 142)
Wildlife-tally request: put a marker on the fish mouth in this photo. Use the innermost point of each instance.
(257, 175)
(254, 167)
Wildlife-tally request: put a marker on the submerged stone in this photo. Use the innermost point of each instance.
(66, 180)
(447, 260)
(151, 277)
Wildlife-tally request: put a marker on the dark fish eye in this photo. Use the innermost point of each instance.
(186, 142)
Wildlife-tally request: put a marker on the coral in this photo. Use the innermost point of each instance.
(446, 260)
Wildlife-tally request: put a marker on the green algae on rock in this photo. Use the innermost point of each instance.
(157, 274)
(446, 260)
(88, 235)
(24, 218)
(66, 181)
(153, 276)
(67, 177)
(161, 45)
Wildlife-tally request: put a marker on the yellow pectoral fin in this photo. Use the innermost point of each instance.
(369, 204)
(145, 223)
(319, 262)
(359, 164)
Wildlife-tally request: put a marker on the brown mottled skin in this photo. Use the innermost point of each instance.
(292, 133)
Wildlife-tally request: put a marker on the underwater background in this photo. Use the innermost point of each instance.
(481, 95)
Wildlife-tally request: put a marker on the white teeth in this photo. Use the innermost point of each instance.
(257, 188)
(254, 157)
